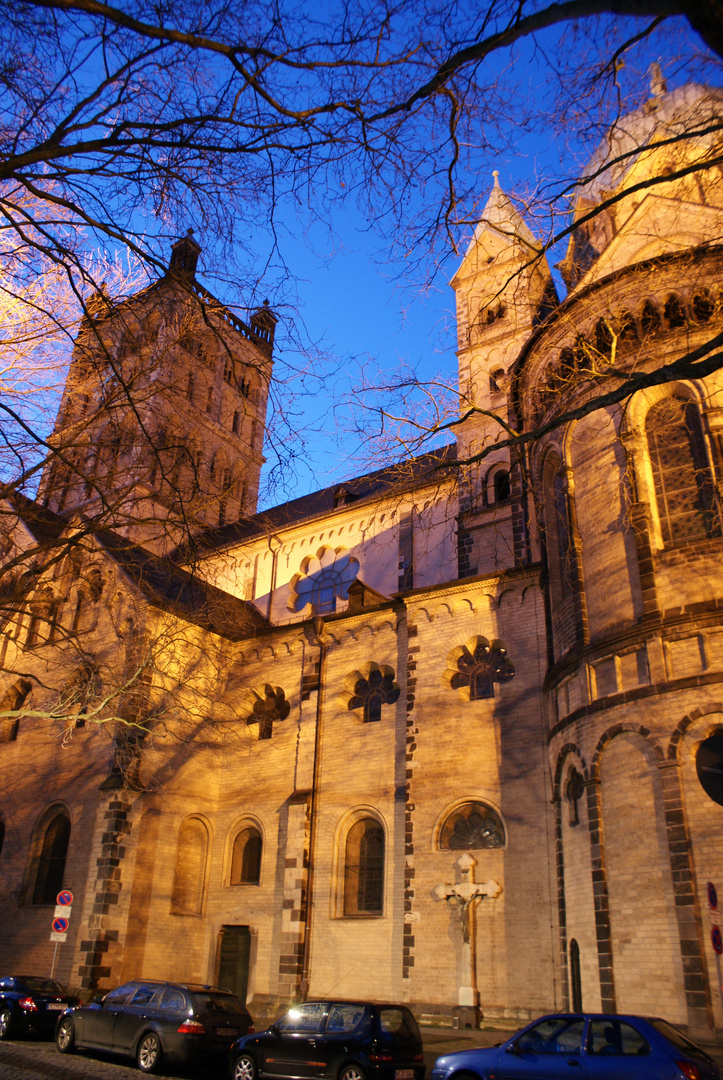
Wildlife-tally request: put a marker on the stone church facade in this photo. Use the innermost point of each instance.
(450, 733)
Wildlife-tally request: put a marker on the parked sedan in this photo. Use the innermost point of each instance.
(180, 1023)
(338, 1040)
(590, 1047)
(30, 1004)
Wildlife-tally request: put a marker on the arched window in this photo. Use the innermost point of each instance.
(496, 380)
(650, 318)
(51, 864)
(470, 827)
(364, 869)
(684, 489)
(703, 306)
(2, 833)
(246, 858)
(501, 486)
(674, 312)
(190, 876)
(575, 980)
(561, 526)
(11, 702)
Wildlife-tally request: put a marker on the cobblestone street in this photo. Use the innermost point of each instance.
(36, 1059)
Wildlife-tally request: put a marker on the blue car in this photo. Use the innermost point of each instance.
(584, 1047)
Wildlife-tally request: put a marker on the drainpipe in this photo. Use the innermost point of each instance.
(318, 627)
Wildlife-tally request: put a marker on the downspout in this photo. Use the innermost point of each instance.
(318, 626)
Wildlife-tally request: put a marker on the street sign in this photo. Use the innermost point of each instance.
(715, 918)
(57, 938)
(60, 910)
(65, 898)
(716, 940)
(712, 896)
(60, 925)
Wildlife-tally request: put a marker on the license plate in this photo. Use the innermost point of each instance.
(232, 1033)
(58, 1005)
(404, 1074)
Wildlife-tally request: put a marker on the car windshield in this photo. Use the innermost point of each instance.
(398, 1025)
(218, 1003)
(48, 986)
(678, 1039)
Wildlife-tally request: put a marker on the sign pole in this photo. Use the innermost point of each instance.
(52, 970)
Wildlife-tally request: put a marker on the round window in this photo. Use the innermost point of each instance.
(709, 764)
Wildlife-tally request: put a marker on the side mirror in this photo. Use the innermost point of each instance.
(511, 1048)
(99, 999)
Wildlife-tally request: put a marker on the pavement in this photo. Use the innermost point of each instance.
(40, 1060)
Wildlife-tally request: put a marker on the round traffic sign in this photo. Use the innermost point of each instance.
(65, 898)
(60, 925)
(716, 940)
(712, 896)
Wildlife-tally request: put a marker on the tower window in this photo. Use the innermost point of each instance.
(236, 422)
(209, 400)
(496, 380)
(189, 387)
(228, 372)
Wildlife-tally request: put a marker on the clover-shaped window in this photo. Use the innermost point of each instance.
(472, 825)
(474, 668)
(269, 706)
(323, 579)
(371, 689)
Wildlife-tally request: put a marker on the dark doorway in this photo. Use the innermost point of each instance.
(575, 982)
(234, 948)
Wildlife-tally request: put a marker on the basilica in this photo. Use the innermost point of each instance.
(446, 734)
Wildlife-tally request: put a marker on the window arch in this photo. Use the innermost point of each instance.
(51, 862)
(684, 489)
(364, 868)
(12, 701)
(497, 379)
(190, 874)
(246, 857)
(472, 826)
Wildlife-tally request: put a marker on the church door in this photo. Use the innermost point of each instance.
(234, 947)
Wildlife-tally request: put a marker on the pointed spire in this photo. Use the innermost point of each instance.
(501, 215)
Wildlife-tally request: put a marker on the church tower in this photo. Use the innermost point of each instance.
(161, 426)
(504, 290)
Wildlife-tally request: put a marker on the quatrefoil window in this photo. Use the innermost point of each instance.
(373, 689)
(269, 707)
(474, 668)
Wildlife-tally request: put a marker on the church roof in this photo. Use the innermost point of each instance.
(404, 476)
(161, 582)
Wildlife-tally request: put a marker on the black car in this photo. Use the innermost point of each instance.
(338, 1040)
(30, 1004)
(180, 1023)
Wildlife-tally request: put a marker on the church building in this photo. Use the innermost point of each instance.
(448, 734)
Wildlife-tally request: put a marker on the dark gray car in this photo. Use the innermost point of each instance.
(180, 1023)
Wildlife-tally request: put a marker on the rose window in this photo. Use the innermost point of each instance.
(324, 578)
(476, 666)
(472, 826)
(373, 690)
(270, 706)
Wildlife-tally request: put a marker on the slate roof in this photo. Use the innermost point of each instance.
(427, 468)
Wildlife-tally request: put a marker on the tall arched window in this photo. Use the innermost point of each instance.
(364, 869)
(12, 701)
(575, 980)
(684, 489)
(561, 526)
(51, 864)
(2, 833)
(190, 876)
(246, 858)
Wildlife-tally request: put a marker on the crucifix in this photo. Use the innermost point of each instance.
(464, 893)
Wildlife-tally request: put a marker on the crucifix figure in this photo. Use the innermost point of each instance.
(465, 893)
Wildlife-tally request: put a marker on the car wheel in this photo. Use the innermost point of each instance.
(149, 1053)
(65, 1036)
(244, 1068)
(6, 1019)
(351, 1072)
